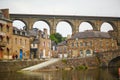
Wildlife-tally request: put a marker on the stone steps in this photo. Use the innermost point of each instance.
(41, 65)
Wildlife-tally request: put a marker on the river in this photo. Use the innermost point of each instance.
(94, 74)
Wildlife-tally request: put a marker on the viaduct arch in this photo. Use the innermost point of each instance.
(74, 21)
(109, 58)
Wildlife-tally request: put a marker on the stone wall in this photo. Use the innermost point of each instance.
(11, 66)
(89, 62)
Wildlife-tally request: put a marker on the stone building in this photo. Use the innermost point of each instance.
(21, 44)
(87, 43)
(83, 44)
(62, 50)
(6, 31)
(40, 44)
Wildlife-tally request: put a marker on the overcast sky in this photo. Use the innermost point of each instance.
(64, 7)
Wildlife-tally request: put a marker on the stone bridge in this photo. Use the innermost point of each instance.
(74, 21)
(109, 58)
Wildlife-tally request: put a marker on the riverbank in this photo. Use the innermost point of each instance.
(63, 64)
(73, 64)
(15, 65)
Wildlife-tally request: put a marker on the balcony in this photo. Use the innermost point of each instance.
(3, 43)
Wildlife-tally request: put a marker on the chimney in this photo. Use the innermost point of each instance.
(45, 33)
(5, 13)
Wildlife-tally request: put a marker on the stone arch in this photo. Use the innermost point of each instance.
(115, 62)
(110, 23)
(65, 22)
(88, 23)
(44, 22)
(20, 20)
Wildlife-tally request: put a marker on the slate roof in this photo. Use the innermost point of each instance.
(90, 34)
(62, 43)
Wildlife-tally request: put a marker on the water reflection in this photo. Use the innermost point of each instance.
(96, 74)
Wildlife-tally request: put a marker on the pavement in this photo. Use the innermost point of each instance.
(41, 65)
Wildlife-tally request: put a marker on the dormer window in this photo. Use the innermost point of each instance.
(20, 33)
(15, 32)
(1, 14)
(23, 33)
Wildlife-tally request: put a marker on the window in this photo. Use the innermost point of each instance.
(107, 43)
(85, 44)
(88, 52)
(65, 49)
(15, 40)
(25, 42)
(21, 41)
(44, 44)
(33, 44)
(100, 43)
(7, 28)
(1, 27)
(76, 44)
(72, 44)
(113, 44)
(1, 38)
(81, 44)
(90, 43)
(8, 40)
(81, 52)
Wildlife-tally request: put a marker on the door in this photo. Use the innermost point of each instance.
(21, 53)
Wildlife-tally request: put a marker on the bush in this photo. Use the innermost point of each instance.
(81, 67)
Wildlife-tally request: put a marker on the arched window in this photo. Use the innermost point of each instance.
(88, 52)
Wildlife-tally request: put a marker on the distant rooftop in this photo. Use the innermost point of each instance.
(90, 34)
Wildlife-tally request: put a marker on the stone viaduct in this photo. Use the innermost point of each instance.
(74, 21)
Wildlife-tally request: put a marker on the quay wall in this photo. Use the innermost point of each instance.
(73, 63)
(12, 66)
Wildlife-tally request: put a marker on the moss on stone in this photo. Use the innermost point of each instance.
(81, 67)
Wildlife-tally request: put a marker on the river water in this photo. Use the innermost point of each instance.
(94, 74)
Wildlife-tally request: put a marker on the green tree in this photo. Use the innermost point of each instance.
(56, 37)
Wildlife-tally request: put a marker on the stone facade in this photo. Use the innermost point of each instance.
(21, 44)
(62, 49)
(6, 31)
(87, 43)
(41, 44)
(17, 43)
